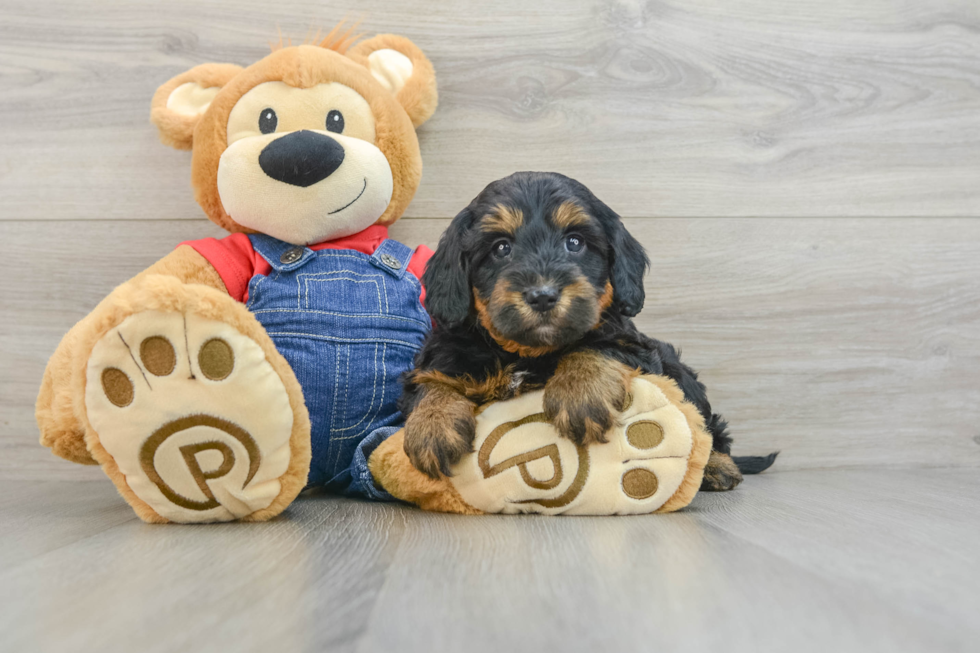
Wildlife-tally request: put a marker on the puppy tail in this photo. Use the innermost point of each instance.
(755, 464)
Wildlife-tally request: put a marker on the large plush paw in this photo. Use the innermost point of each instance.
(721, 473)
(439, 432)
(652, 460)
(584, 396)
(194, 418)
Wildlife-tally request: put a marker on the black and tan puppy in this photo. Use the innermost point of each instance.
(533, 285)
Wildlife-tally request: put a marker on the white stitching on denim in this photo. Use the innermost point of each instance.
(374, 391)
(336, 375)
(369, 278)
(254, 290)
(384, 376)
(380, 316)
(392, 341)
(306, 285)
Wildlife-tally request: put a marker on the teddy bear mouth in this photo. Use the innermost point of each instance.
(363, 188)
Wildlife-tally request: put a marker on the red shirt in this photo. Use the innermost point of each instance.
(237, 262)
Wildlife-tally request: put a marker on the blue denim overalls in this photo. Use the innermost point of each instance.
(349, 324)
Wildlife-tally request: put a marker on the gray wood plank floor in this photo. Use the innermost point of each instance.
(809, 560)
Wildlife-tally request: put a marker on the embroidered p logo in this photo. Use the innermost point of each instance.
(189, 454)
(521, 461)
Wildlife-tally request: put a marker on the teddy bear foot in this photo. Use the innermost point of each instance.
(191, 420)
(523, 466)
(653, 461)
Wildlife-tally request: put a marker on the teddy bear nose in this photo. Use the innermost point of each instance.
(301, 158)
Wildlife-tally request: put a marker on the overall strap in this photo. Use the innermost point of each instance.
(392, 257)
(283, 257)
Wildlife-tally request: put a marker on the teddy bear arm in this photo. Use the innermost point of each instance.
(189, 266)
(59, 410)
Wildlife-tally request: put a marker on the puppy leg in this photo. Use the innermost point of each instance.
(581, 398)
(721, 473)
(440, 429)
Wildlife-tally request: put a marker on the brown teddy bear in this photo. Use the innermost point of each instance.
(218, 383)
(193, 385)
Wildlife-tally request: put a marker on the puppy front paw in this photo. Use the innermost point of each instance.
(583, 397)
(439, 433)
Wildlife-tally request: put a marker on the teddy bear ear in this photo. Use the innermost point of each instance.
(179, 104)
(403, 69)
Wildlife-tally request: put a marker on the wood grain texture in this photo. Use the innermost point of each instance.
(844, 560)
(664, 108)
(838, 342)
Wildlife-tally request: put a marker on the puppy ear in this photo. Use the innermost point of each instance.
(628, 262)
(404, 70)
(446, 279)
(179, 104)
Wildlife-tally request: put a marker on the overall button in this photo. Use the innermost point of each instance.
(291, 255)
(391, 261)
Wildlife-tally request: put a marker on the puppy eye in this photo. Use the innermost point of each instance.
(501, 249)
(268, 121)
(574, 243)
(335, 122)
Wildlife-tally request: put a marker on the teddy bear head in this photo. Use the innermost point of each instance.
(311, 143)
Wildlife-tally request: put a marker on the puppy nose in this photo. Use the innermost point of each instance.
(301, 158)
(541, 299)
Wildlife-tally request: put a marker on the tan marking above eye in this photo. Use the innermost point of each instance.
(216, 359)
(301, 108)
(569, 215)
(503, 219)
(117, 387)
(158, 355)
(640, 483)
(645, 435)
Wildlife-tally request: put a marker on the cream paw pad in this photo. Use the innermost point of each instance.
(653, 461)
(191, 417)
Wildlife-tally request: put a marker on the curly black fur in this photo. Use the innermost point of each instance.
(465, 270)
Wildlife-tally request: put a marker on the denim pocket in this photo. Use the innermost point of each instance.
(359, 387)
(344, 292)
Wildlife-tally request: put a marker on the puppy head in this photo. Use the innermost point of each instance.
(536, 258)
(311, 143)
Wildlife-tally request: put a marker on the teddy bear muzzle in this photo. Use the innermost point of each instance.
(304, 186)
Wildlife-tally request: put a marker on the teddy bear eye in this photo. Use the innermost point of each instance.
(268, 121)
(335, 121)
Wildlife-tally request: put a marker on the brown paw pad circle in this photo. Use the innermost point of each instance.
(193, 415)
(117, 387)
(158, 355)
(216, 359)
(640, 483)
(645, 434)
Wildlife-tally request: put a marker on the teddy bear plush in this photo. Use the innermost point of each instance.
(228, 376)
